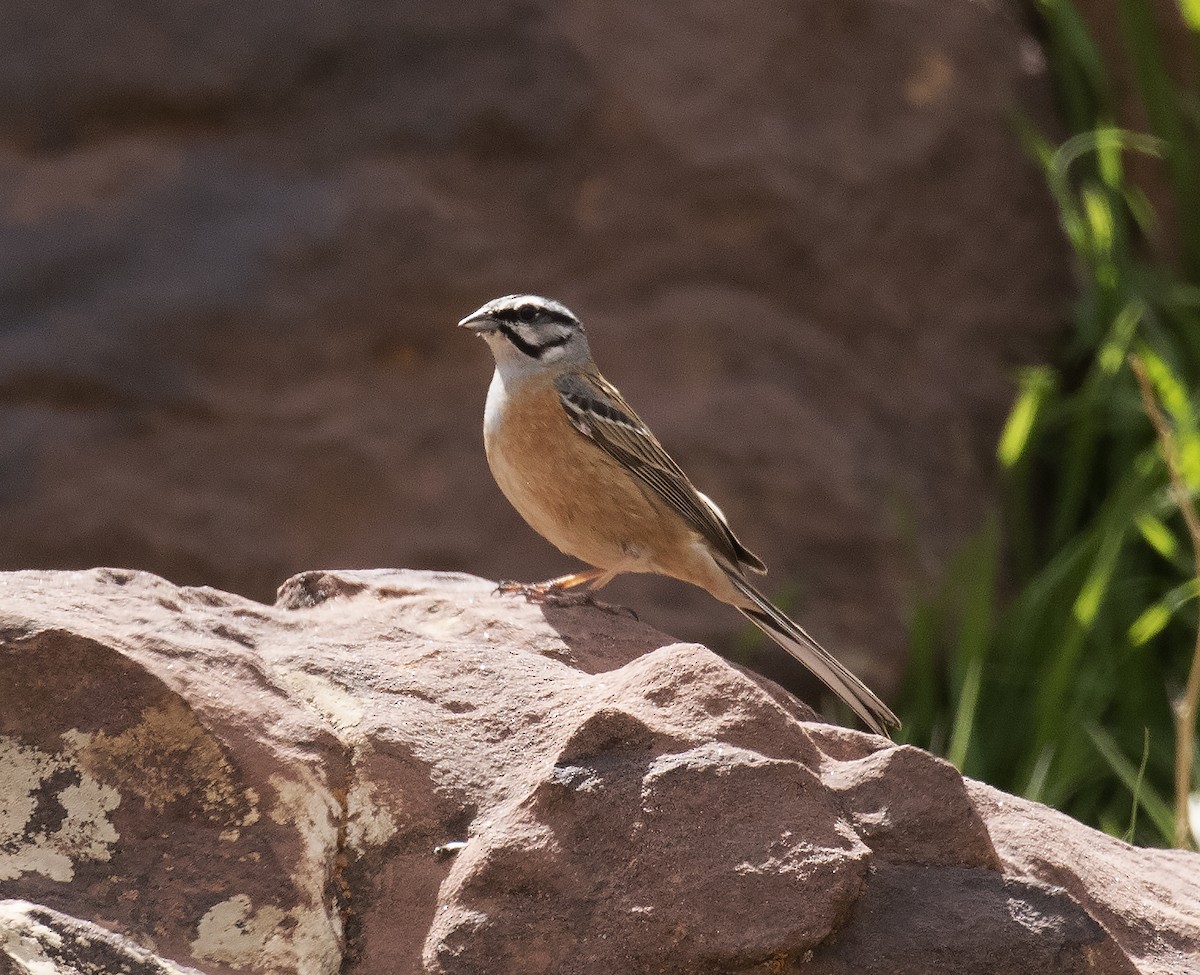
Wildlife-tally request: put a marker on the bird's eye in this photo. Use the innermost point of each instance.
(527, 313)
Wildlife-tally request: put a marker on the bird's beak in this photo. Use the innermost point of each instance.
(480, 322)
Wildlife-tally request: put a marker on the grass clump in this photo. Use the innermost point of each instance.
(1053, 659)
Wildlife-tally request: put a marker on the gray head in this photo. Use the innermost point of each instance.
(528, 332)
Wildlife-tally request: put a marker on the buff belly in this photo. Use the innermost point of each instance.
(573, 493)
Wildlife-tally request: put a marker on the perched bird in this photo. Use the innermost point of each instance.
(588, 475)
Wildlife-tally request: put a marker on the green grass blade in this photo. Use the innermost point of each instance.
(1137, 790)
(1144, 793)
(1079, 70)
(1162, 108)
(1156, 616)
(964, 716)
(1190, 9)
(1036, 385)
(1158, 536)
(1035, 786)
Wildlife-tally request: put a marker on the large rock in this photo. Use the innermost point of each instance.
(234, 239)
(35, 940)
(400, 772)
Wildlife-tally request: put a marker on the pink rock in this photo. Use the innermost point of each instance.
(401, 772)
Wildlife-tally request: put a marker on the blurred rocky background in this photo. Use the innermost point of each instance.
(234, 240)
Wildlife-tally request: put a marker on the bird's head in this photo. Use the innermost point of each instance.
(528, 332)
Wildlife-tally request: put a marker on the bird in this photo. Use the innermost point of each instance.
(585, 471)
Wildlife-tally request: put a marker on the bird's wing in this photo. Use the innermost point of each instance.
(598, 411)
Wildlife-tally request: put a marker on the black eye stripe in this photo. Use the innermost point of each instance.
(529, 348)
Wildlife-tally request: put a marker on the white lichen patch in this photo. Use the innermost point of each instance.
(337, 705)
(306, 804)
(307, 937)
(368, 822)
(168, 756)
(55, 814)
(234, 933)
(268, 939)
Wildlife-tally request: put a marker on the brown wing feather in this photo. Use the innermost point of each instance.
(598, 411)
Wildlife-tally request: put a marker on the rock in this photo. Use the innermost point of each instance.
(1130, 891)
(234, 239)
(37, 941)
(913, 920)
(401, 772)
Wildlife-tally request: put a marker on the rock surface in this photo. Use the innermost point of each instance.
(234, 239)
(400, 772)
(37, 941)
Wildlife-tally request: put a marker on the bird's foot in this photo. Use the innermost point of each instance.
(564, 593)
(546, 593)
(560, 588)
(561, 598)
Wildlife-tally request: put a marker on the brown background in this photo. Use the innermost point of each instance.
(234, 239)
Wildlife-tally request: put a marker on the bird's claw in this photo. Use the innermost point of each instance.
(543, 594)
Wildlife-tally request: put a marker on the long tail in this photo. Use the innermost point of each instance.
(791, 636)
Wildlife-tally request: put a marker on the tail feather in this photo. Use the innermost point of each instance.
(835, 675)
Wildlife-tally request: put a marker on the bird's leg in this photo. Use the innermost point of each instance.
(565, 590)
(540, 592)
(607, 577)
